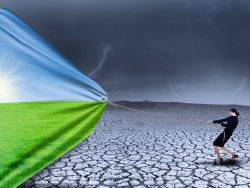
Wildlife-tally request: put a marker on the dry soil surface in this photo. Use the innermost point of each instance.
(131, 149)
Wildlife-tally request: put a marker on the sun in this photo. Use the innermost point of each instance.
(9, 78)
(7, 82)
(6, 90)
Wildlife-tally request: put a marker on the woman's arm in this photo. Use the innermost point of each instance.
(223, 125)
(220, 120)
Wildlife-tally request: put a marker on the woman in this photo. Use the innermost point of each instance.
(229, 127)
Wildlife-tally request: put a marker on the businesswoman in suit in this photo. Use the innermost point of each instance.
(229, 124)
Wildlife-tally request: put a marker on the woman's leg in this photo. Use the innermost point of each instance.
(216, 149)
(227, 150)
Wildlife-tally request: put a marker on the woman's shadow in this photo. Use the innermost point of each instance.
(226, 162)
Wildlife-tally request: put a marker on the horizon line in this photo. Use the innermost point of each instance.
(148, 101)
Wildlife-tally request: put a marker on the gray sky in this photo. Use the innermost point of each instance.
(159, 50)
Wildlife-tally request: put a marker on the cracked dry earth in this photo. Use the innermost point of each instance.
(130, 149)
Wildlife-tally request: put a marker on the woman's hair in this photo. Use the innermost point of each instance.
(235, 111)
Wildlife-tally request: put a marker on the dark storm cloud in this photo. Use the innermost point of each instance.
(169, 50)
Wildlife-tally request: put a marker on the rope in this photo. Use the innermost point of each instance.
(152, 114)
(160, 115)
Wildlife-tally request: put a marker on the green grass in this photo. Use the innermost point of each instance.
(34, 134)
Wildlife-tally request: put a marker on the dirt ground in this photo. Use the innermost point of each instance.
(130, 149)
